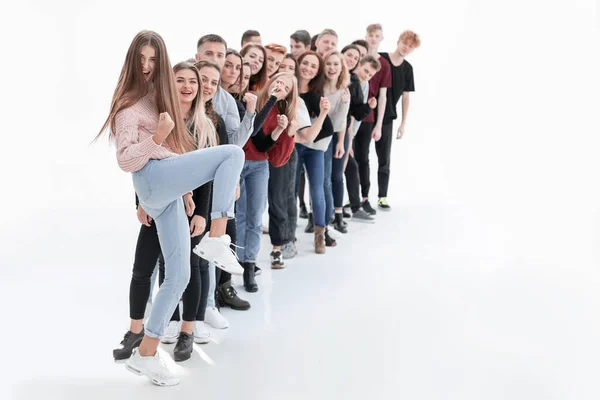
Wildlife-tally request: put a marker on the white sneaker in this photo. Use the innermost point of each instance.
(171, 333)
(217, 251)
(215, 319)
(201, 336)
(153, 367)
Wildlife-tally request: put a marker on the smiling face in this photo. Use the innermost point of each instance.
(365, 72)
(212, 51)
(404, 48)
(326, 44)
(283, 83)
(333, 67)
(309, 67)
(274, 59)
(186, 83)
(231, 70)
(148, 59)
(209, 78)
(256, 59)
(287, 65)
(298, 48)
(352, 57)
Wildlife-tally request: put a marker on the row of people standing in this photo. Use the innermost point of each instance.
(290, 113)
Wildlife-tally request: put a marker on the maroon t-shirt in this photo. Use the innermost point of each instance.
(382, 79)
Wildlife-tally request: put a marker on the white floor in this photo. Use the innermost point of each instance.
(424, 304)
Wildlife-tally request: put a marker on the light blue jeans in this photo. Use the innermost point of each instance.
(250, 207)
(160, 186)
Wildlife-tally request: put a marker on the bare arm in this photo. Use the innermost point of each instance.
(405, 103)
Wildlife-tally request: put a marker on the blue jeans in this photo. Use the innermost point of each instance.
(250, 208)
(314, 161)
(337, 172)
(160, 186)
(327, 182)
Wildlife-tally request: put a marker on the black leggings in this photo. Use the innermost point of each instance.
(147, 253)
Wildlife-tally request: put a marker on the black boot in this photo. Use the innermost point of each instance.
(229, 298)
(184, 347)
(329, 241)
(310, 228)
(249, 281)
(303, 213)
(129, 342)
(338, 223)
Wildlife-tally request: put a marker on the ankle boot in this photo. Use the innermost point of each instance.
(303, 213)
(230, 298)
(310, 228)
(249, 281)
(320, 239)
(338, 223)
(329, 241)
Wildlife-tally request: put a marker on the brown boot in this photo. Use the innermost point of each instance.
(320, 239)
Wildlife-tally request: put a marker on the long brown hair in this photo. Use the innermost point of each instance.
(132, 87)
(259, 80)
(209, 109)
(198, 125)
(286, 106)
(316, 84)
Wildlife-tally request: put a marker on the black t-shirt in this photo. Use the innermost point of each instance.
(402, 81)
(312, 101)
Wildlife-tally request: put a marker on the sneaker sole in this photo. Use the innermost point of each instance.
(169, 340)
(198, 340)
(153, 380)
(232, 270)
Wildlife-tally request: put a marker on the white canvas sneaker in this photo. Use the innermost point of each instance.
(153, 367)
(215, 319)
(201, 336)
(217, 251)
(171, 333)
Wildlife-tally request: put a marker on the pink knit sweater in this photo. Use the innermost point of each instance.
(134, 129)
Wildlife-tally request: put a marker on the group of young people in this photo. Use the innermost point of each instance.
(213, 140)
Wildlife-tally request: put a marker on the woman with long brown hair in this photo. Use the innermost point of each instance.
(272, 144)
(257, 57)
(153, 144)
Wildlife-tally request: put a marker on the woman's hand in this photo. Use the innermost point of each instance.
(197, 225)
(324, 105)
(164, 128)
(250, 100)
(346, 95)
(372, 102)
(189, 204)
(144, 218)
(339, 150)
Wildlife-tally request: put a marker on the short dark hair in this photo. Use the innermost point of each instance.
(362, 43)
(248, 34)
(211, 38)
(372, 61)
(301, 36)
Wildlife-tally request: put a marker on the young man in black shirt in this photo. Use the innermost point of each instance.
(402, 84)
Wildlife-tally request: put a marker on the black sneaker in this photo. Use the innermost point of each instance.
(184, 347)
(303, 213)
(130, 341)
(249, 277)
(367, 207)
(229, 298)
(277, 260)
(329, 241)
(383, 204)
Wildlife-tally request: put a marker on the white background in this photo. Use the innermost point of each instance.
(495, 182)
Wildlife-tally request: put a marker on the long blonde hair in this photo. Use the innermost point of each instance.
(132, 86)
(344, 78)
(198, 124)
(286, 106)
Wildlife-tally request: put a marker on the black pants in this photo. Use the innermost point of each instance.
(362, 145)
(384, 152)
(147, 253)
(282, 202)
(301, 188)
(353, 184)
(196, 292)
